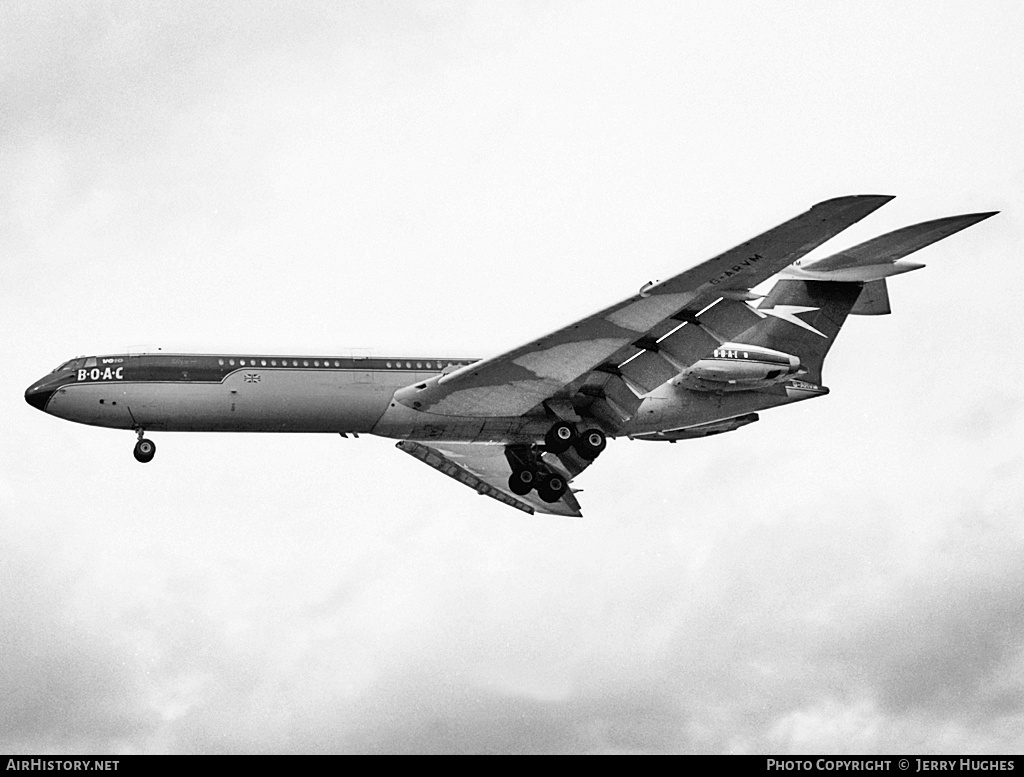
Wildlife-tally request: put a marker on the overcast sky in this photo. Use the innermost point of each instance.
(454, 179)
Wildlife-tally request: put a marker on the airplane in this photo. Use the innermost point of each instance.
(692, 356)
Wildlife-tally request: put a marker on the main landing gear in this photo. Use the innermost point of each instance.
(529, 471)
(550, 485)
(145, 449)
(563, 436)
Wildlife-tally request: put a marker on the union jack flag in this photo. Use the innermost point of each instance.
(252, 377)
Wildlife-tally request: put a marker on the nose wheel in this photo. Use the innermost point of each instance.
(145, 449)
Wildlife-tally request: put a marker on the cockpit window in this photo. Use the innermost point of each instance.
(74, 364)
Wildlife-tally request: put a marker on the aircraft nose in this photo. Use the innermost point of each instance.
(38, 395)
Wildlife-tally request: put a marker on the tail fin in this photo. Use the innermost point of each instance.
(873, 300)
(802, 318)
(803, 312)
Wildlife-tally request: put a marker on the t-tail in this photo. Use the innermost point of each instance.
(788, 334)
(805, 310)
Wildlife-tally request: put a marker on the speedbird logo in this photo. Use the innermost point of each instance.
(788, 313)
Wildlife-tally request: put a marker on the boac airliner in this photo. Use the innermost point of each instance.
(691, 356)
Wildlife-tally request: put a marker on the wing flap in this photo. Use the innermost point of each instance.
(727, 318)
(701, 334)
(649, 369)
(689, 343)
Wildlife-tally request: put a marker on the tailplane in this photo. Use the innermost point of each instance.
(804, 311)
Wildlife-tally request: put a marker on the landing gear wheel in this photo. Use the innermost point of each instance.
(590, 444)
(560, 437)
(521, 482)
(145, 450)
(551, 487)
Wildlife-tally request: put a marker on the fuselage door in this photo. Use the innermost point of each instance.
(361, 372)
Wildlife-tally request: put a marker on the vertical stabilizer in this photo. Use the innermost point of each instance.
(873, 300)
(802, 318)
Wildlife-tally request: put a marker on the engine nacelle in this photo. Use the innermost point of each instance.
(739, 367)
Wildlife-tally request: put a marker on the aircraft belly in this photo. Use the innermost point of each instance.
(404, 423)
(267, 401)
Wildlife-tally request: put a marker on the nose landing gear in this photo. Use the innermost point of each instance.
(145, 449)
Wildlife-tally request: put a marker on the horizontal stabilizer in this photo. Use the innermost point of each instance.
(893, 246)
(882, 256)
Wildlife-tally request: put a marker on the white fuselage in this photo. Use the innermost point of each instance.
(205, 393)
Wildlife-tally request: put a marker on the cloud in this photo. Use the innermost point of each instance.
(67, 683)
(424, 714)
(843, 575)
(949, 642)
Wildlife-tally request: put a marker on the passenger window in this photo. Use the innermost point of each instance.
(231, 362)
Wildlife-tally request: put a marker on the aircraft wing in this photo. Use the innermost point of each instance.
(516, 382)
(485, 469)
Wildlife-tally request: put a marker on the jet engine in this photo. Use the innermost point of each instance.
(739, 367)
